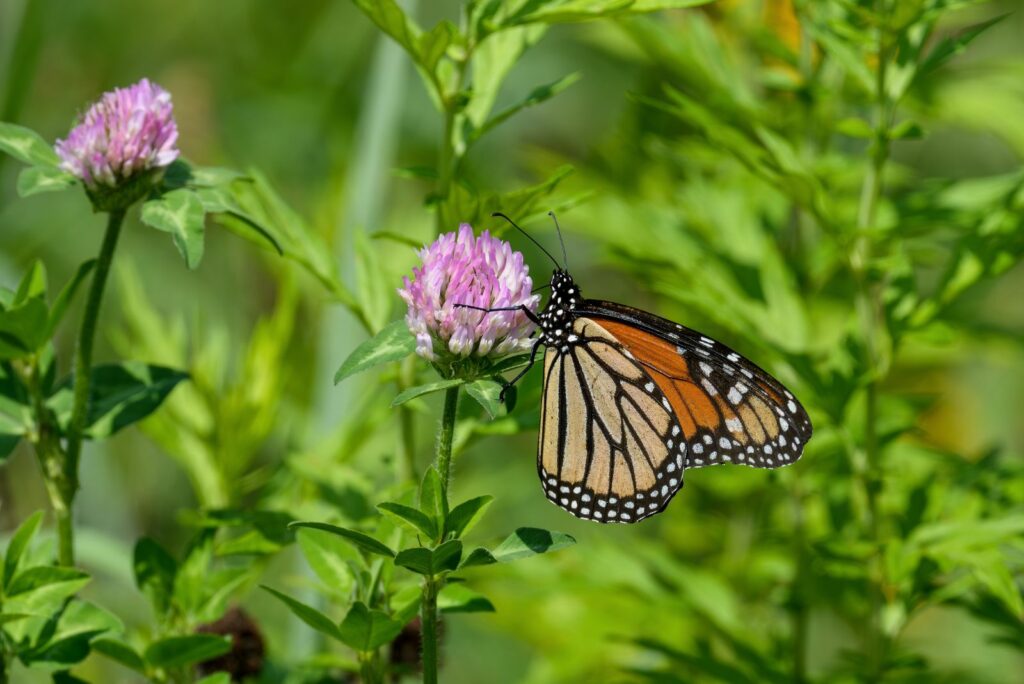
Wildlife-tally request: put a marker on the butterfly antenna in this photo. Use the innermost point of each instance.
(558, 228)
(501, 215)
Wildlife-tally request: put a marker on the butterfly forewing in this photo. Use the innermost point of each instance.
(611, 446)
(730, 410)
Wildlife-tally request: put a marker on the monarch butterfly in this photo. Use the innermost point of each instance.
(632, 400)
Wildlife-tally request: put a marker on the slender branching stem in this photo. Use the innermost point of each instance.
(83, 368)
(872, 327)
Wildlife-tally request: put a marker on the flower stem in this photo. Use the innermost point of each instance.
(432, 584)
(82, 372)
(444, 438)
(428, 618)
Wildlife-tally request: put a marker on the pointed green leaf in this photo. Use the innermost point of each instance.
(43, 589)
(446, 557)
(329, 557)
(418, 559)
(530, 541)
(215, 678)
(120, 394)
(416, 519)
(120, 652)
(478, 556)
(38, 179)
(467, 514)
(180, 213)
(537, 96)
(308, 614)
(488, 394)
(359, 539)
(26, 145)
(430, 562)
(954, 45)
(155, 570)
(20, 541)
(393, 343)
(458, 598)
(433, 500)
(179, 651)
(66, 295)
(421, 390)
(367, 630)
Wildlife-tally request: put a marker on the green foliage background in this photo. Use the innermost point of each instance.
(739, 167)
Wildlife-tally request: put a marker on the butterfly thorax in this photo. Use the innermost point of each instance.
(557, 317)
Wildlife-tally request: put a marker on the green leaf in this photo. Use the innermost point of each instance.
(952, 46)
(467, 514)
(390, 19)
(359, 539)
(366, 630)
(421, 390)
(487, 393)
(179, 651)
(39, 179)
(537, 96)
(308, 614)
(120, 652)
(430, 562)
(393, 343)
(155, 570)
(42, 589)
(26, 145)
(180, 213)
(20, 541)
(65, 296)
(120, 394)
(571, 11)
(530, 541)
(416, 519)
(215, 678)
(374, 293)
(432, 45)
(22, 328)
(478, 556)
(906, 130)
(418, 559)
(65, 639)
(433, 500)
(458, 598)
(492, 62)
(855, 127)
(329, 557)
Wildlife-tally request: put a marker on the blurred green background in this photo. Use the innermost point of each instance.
(662, 212)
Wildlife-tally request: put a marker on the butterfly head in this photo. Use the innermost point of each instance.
(556, 318)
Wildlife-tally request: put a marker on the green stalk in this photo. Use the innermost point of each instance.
(444, 438)
(868, 305)
(428, 619)
(82, 372)
(431, 584)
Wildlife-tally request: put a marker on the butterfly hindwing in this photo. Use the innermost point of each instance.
(610, 444)
(730, 410)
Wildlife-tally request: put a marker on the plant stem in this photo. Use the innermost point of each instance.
(431, 584)
(428, 620)
(83, 366)
(868, 307)
(444, 438)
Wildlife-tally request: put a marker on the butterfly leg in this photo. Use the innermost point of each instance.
(508, 384)
(521, 308)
